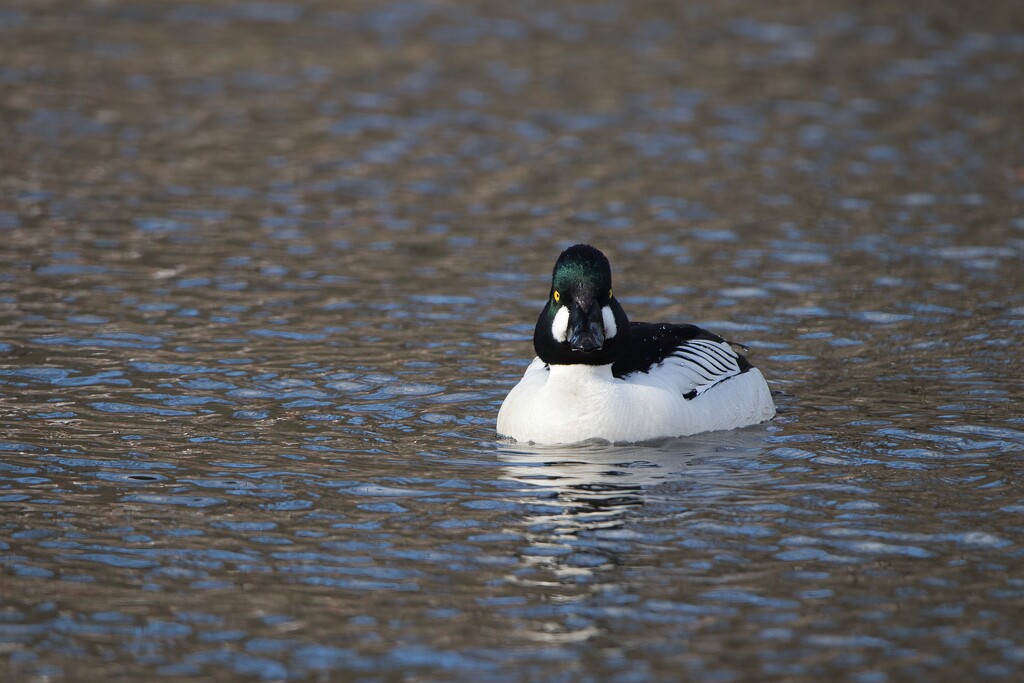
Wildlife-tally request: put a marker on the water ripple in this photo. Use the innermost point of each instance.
(251, 360)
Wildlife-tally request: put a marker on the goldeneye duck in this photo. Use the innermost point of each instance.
(599, 376)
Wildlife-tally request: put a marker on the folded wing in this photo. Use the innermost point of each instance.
(690, 357)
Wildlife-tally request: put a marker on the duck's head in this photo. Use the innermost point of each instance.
(581, 322)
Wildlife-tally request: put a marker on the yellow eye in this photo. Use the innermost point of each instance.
(557, 296)
(610, 293)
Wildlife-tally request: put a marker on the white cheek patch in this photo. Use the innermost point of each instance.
(560, 325)
(608, 318)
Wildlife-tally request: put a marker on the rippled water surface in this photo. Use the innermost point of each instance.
(268, 269)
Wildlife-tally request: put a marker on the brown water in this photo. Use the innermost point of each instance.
(268, 269)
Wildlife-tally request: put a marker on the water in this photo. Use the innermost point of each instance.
(268, 270)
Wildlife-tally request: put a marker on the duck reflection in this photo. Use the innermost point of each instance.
(597, 484)
(596, 512)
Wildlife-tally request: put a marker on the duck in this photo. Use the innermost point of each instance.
(598, 376)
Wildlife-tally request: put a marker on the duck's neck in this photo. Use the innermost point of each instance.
(578, 372)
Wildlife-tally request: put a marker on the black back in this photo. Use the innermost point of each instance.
(651, 343)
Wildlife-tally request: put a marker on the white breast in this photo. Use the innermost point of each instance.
(571, 403)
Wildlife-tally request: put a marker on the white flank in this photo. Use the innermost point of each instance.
(608, 317)
(564, 404)
(560, 325)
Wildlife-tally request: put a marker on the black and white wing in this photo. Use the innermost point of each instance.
(695, 359)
